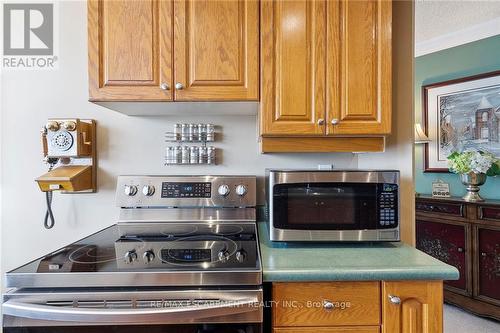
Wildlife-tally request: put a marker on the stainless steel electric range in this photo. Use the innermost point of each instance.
(183, 257)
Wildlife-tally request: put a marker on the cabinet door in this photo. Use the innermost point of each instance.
(450, 244)
(412, 307)
(216, 45)
(359, 67)
(293, 36)
(130, 56)
(488, 265)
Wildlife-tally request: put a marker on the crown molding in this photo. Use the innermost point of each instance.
(460, 37)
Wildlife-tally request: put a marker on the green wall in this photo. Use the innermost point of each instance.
(464, 60)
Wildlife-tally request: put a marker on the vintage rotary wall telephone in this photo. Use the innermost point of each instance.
(69, 149)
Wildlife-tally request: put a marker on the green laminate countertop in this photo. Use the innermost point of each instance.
(347, 262)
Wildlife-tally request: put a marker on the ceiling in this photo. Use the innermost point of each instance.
(435, 18)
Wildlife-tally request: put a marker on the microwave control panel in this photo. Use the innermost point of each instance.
(388, 205)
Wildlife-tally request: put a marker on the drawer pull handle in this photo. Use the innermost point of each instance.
(327, 305)
(394, 300)
(483, 254)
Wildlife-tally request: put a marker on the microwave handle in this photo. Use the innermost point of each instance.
(152, 315)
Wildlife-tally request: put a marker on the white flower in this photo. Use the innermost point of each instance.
(480, 163)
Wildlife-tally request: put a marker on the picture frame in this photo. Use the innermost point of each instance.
(461, 114)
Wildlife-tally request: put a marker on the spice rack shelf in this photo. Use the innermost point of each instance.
(184, 154)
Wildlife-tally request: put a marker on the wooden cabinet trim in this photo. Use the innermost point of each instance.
(104, 88)
(333, 329)
(245, 85)
(321, 144)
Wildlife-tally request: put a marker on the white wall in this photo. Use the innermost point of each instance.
(126, 145)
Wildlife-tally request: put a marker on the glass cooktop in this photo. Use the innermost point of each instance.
(135, 248)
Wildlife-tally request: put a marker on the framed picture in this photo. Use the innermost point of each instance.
(461, 114)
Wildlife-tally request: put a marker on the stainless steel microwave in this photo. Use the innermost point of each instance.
(333, 205)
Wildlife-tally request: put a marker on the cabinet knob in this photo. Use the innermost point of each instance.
(483, 254)
(460, 249)
(394, 299)
(164, 86)
(179, 86)
(328, 305)
(335, 121)
(321, 121)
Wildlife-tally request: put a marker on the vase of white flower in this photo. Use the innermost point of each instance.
(473, 181)
(474, 166)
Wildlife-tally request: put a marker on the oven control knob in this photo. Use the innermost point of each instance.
(241, 190)
(224, 190)
(223, 255)
(148, 190)
(130, 257)
(130, 190)
(241, 255)
(148, 256)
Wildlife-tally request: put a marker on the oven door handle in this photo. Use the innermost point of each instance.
(151, 315)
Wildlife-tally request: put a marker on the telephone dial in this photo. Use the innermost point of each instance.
(69, 149)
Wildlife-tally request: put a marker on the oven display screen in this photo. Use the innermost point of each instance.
(186, 255)
(186, 190)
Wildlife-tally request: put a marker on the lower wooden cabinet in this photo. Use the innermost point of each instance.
(363, 307)
(412, 307)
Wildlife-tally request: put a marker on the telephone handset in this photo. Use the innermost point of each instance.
(68, 147)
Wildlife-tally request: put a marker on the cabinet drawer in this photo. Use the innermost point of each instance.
(326, 304)
(488, 213)
(454, 209)
(338, 329)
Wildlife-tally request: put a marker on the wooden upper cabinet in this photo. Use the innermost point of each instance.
(130, 49)
(216, 50)
(326, 67)
(359, 59)
(412, 307)
(182, 50)
(293, 45)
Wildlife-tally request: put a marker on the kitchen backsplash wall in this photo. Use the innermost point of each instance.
(461, 61)
(126, 145)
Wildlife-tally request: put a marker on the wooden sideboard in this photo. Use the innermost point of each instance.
(467, 236)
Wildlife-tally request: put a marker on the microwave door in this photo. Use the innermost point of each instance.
(326, 206)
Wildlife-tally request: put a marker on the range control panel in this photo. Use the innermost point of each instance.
(186, 191)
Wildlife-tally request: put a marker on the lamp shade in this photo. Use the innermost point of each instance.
(420, 136)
